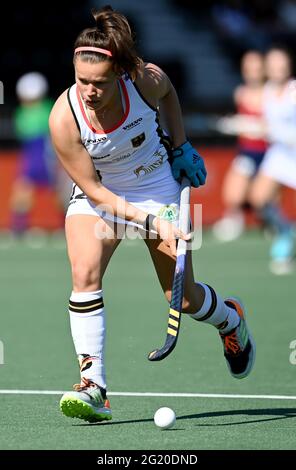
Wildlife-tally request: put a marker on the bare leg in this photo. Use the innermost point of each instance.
(235, 189)
(205, 305)
(89, 253)
(234, 194)
(89, 256)
(263, 190)
(164, 264)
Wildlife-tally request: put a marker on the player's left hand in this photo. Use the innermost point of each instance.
(187, 160)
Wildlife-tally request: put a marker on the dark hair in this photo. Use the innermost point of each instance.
(112, 32)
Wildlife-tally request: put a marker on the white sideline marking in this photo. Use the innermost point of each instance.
(156, 394)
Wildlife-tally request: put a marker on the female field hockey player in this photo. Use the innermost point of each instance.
(106, 132)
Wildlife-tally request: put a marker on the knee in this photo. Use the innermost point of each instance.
(85, 276)
(232, 199)
(257, 198)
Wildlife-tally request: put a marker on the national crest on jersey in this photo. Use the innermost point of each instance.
(128, 154)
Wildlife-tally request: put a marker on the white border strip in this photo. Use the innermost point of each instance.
(157, 394)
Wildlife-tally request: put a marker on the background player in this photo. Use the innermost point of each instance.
(37, 166)
(279, 164)
(251, 146)
(248, 123)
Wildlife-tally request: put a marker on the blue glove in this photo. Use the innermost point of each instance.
(187, 160)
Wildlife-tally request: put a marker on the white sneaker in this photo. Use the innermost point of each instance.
(229, 228)
(88, 401)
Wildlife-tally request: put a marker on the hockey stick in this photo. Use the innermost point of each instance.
(178, 282)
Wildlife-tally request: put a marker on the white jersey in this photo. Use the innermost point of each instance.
(280, 115)
(279, 162)
(129, 154)
(131, 158)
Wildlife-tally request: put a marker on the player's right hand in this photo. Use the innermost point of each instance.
(169, 234)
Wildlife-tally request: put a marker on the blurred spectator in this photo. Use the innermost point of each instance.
(238, 28)
(37, 163)
(279, 163)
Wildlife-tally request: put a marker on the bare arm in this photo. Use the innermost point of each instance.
(156, 86)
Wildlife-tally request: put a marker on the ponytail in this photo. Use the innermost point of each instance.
(113, 36)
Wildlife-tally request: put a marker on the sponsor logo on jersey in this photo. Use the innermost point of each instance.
(138, 140)
(95, 141)
(122, 157)
(145, 170)
(132, 124)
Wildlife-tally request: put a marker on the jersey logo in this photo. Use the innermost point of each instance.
(145, 170)
(100, 158)
(137, 141)
(132, 124)
(95, 141)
